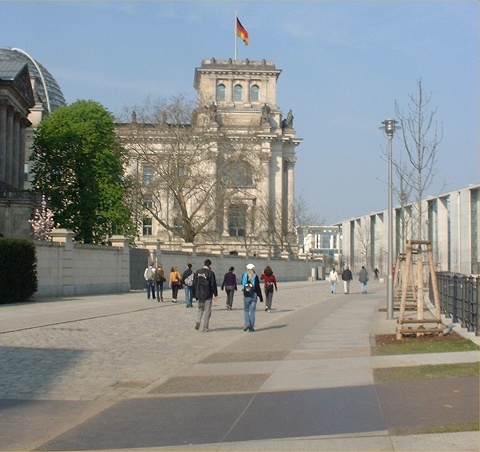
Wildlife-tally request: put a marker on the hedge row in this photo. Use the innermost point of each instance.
(18, 270)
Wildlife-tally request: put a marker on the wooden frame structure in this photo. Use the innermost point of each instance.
(412, 291)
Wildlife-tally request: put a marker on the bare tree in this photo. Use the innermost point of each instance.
(186, 166)
(421, 136)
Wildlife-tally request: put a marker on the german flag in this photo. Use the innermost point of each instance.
(242, 33)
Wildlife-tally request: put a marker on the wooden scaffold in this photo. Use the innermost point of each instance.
(409, 325)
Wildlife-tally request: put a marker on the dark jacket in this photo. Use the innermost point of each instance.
(204, 284)
(186, 274)
(347, 275)
(230, 279)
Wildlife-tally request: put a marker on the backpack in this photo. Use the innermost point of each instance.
(249, 288)
(269, 287)
(189, 280)
(150, 273)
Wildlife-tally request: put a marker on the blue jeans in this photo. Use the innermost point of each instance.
(333, 285)
(150, 288)
(249, 306)
(188, 295)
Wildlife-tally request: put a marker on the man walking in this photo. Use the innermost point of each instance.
(347, 277)
(187, 279)
(204, 290)
(363, 278)
(149, 276)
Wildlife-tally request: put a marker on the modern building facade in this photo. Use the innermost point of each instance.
(451, 223)
(27, 93)
(251, 147)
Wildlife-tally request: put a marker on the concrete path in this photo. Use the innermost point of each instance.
(124, 372)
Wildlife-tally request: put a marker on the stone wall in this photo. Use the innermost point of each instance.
(66, 269)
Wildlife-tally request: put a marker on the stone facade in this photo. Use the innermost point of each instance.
(237, 102)
(451, 223)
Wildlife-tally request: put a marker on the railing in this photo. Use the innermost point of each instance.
(459, 299)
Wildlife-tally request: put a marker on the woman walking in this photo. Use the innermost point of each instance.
(270, 284)
(159, 280)
(230, 285)
(251, 290)
(175, 282)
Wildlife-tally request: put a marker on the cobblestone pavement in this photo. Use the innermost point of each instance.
(122, 345)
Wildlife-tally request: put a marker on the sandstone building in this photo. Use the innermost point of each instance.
(236, 192)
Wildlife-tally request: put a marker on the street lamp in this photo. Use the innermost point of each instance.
(389, 128)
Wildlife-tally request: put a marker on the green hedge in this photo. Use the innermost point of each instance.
(18, 270)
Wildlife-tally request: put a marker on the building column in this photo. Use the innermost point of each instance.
(9, 146)
(16, 150)
(3, 141)
(290, 163)
(21, 156)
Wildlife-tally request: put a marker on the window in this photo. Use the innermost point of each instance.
(237, 220)
(147, 175)
(254, 93)
(241, 175)
(148, 203)
(177, 226)
(237, 92)
(221, 92)
(147, 226)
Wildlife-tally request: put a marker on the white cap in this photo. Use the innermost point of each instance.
(250, 266)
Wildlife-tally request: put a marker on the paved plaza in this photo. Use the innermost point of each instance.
(123, 372)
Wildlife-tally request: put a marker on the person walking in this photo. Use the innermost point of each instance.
(251, 291)
(270, 284)
(346, 277)
(175, 282)
(333, 278)
(205, 291)
(149, 276)
(230, 285)
(159, 280)
(363, 278)
(187, 280)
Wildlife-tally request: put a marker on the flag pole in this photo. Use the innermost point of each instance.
(235, 35)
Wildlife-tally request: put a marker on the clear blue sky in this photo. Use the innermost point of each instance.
(344, 64)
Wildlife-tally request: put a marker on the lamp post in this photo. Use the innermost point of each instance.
(389, 128)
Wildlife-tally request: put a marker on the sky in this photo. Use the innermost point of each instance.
(344, 65)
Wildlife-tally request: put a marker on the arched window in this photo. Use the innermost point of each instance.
(254, 93)
(237, 92)
(221, 92)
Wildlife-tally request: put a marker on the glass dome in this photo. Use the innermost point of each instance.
(48, 91)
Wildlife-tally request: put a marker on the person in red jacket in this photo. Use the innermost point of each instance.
(270, 283)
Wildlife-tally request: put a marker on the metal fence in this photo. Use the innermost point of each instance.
(459, 299)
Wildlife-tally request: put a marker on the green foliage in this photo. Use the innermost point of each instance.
(18, 264)
(79, 165)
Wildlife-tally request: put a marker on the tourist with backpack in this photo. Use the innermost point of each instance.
(187, 279)
(204, 290)
(149, 276)
(270, 284)
(251, 291)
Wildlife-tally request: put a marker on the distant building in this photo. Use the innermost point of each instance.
(320, 243)
(237, 101)
(451, 223)
(27, 93)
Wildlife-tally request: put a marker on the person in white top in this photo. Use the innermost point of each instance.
(333, 278)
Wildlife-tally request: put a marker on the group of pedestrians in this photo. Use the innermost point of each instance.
(202, 286)
(347, 276)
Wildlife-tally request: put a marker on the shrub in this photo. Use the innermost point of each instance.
(18, 270)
